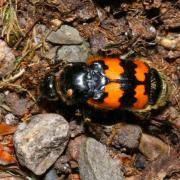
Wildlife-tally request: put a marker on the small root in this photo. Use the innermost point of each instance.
(15, 77)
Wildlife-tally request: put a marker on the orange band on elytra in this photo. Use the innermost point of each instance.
(114, 69)
(142, 99)
(141, 69)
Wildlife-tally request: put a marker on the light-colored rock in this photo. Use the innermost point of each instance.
(10, 119)
(74, 53)
(96, 164)
(39, 143)
(65, 35)
(68, 53)
(7, 59)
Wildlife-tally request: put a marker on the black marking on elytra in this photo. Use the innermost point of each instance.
(148, 84)
(154, 86)
(128, 83)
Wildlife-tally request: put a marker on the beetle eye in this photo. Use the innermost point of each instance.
(69, 93)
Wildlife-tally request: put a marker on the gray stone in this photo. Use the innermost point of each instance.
(7, 59)
(127, 136)
(19, 106)
(65, 35)
(95, 162)
(68, 53)
(39, 143)
(74, 53)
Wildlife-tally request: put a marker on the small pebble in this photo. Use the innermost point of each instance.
(127, 136)
(170, 42)
(152, 147)
(10, 119)
(19, 106)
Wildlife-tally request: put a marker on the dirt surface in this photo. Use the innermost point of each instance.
(149, 29)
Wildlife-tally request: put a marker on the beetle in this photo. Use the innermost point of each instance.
(109, 83)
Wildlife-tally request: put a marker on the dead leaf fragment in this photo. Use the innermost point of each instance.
(6, 129)
(6, 158)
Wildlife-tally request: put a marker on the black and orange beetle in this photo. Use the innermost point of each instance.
(110, 83)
